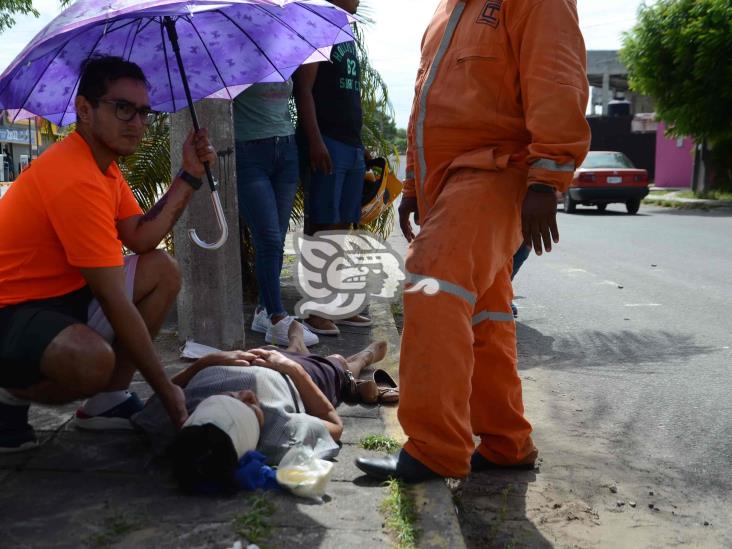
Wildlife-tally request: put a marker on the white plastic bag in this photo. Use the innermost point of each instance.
(303, 474)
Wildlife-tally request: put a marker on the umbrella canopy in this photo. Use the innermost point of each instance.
(225, 47)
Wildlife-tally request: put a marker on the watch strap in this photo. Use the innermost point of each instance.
(192, 180)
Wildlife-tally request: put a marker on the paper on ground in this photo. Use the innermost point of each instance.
(196, 350)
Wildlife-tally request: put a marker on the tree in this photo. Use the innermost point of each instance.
(680, 53)
(9, 8)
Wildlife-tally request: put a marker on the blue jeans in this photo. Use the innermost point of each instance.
(267, 171)
(336, 198)
(521, 255)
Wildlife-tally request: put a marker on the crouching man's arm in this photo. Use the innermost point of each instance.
(108, 286)
(143, 233)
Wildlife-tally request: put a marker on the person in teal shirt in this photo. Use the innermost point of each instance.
(267, 179)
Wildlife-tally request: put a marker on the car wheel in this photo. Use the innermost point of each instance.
(569, 205)
(601, 207)
(633, 206)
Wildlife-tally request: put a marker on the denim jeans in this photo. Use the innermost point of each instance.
(267, 176)
(521, 255)
(336, 197)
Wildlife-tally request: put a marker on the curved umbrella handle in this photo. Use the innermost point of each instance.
(223, 227)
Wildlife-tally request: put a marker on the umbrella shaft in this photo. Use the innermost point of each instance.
(173, 37)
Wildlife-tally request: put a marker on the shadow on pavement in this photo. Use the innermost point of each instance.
(492, 509)
(594, 348)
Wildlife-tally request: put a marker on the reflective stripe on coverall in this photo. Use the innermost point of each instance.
(500, 99)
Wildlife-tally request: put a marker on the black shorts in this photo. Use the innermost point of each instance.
(329, 376)
(26, 329)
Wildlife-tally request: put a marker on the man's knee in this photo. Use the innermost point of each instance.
(164, 267)
(79, 360)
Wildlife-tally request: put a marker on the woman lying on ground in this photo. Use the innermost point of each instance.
(262, 399)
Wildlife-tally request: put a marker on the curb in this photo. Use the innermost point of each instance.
(670, 200)
(437, 519)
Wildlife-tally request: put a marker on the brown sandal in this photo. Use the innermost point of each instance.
(382, 389)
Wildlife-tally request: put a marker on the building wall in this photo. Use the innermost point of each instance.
(674, 160)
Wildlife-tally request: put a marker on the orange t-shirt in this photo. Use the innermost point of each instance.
(60, 215)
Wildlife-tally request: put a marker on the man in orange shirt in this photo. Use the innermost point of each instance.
(76, 317)
(498, 125)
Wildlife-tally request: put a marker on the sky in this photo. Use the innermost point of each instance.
(393, 39)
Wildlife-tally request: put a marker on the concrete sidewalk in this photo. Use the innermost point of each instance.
(83, 489)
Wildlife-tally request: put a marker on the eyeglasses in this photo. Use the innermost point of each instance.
(126, 111)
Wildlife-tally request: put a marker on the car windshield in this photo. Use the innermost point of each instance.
(596, 160)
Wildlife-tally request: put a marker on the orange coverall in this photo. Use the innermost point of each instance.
(500, 104)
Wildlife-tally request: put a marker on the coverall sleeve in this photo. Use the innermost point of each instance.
(554, 90)
(409, 189)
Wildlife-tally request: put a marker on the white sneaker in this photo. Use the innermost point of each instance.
(278, 333)
(261, 322)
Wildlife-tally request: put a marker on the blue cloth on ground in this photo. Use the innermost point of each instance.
(253, 474)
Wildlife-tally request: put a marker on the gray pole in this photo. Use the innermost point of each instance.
(210, 304)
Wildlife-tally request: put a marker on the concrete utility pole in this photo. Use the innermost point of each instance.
(210, 303)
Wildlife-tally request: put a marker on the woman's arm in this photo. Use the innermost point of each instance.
(304, 80)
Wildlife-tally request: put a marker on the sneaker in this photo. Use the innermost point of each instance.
(16, 434)
(114, 419)
(261, 322)
(278, 333)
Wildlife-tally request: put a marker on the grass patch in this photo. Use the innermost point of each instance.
(379, 443)
(254, 526)
(714, 194)
(401, 516)
(113, 529)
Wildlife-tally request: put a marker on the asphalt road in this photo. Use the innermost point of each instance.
(632, 315)
(625, 349)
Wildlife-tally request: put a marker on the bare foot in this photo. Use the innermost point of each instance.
(372, 354)
(296, 337)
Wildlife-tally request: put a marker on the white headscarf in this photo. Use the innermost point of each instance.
(233, 417)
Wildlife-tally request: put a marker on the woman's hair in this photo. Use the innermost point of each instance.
(204, 460)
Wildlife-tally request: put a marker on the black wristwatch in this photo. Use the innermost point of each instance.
(192, 180)
(541, 188)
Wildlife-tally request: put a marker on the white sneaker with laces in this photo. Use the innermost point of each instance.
(278, 333)
(261, 322)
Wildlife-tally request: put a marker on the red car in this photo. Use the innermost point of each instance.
(606, 177)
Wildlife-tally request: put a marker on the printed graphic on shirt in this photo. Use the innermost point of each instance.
(345, 54)
(491, 13)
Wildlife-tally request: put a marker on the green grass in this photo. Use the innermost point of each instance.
(254, 526)
(114, 528)
(379, 443)
(714, 194)
(401, 516)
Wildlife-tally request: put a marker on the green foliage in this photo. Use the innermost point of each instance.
(147, 171)
(680, 53)
(401, 515)
(254, 526)
(9, 8)
(380, 443)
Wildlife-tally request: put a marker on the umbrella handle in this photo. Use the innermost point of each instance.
(223, 227)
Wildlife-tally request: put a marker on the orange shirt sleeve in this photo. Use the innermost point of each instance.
(83, 214)
(128, 205)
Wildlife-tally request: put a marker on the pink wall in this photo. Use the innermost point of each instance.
(674, 160)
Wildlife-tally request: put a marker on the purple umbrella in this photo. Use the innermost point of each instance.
(188, 51)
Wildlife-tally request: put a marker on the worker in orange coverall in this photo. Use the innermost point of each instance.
(498, 124)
